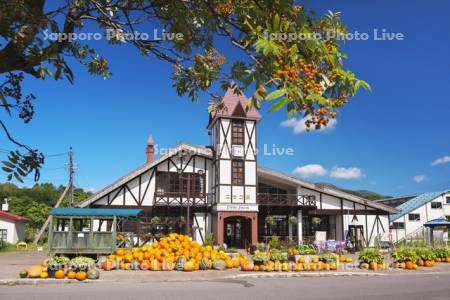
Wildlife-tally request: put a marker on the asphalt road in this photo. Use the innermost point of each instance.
(369, 287)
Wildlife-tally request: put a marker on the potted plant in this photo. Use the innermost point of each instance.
(370, 258)
(81, 263)
(259, 258)
(56, 263)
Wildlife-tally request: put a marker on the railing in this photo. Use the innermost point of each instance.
(182, 199)
(286, 199)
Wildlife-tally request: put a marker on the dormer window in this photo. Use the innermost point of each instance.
(237, 132)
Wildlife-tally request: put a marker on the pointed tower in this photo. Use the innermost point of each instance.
(233, 138)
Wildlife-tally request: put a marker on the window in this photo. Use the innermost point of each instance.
(447, 200)
(237, 172)
(436, 205)
(414, 217)
(398, 225)
(3, 235)
(172, 182)
(237, 133)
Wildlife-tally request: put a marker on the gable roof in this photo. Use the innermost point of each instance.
(416, 202)
(76, 211)
(234, 106)
(326, 190)
(199, 150)
(13, 217)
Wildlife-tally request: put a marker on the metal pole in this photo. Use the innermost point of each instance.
(71, 176)
(188, 225)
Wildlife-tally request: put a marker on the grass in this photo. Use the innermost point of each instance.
(8, 247)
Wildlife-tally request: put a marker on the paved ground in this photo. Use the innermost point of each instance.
(423, 286)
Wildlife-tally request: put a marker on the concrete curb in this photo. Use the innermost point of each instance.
(303, 274)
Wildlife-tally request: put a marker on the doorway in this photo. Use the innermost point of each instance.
(356, 236)
(237, 232)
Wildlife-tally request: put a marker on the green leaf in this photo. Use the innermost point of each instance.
(275, 94)
(8, 164)
(7, 170)
(363, 84)
(276, 22)
(5, 103)
(279, 104)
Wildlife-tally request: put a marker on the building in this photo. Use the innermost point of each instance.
(224, 191)
(11, 226)
(415, 211)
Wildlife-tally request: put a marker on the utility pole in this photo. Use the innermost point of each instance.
(71, 176)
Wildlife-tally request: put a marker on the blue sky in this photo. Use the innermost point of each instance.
(381, 141)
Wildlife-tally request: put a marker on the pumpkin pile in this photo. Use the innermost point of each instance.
(173, 252)
(411, 257)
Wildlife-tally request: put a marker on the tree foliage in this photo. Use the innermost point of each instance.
(288, 56)
(35, 202)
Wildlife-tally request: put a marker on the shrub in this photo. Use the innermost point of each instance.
(404, 254)
(274, 242)
(209, 239)
(370, 255)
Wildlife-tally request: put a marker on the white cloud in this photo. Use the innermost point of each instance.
(311, 170)
(419, 178)
(298, 125)
(441, 160)
(346, 173)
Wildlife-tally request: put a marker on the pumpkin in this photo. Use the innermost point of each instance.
(120, 252)
(188, 266)
(448, 259)
(315, 259)
(80, 276)
(43, 275)
(60, 274)
(107, 265)
(437, 259)
(256, 268)
(181, 261)
(285, 267)
(428, 263)
(229, 264)
(155, 265)
(71, 275)
(34, 271)
(219, 264)
(23, 274)
(333, 266)
(248, 266)
(373, 265)
(301, 260)
(167, 265)
(135, 264)
(409, 265)
(277, 266)
(204, 264)
(420, 262)
(145, 265)
(93, 274)
(349, 260)
(364, 266)
(414, 266)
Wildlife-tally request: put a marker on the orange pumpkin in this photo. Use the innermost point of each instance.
(409, 265)
(107, 265)
(155, 265)
(420, 262)
(428, 263)
(373, 265)
(71, 275)
(255, 268)
(247, 266)
(120, 252)
(189, 266)
(60, 274)
(333, 266)
(448, 259)
(167, 265)
(145, 265)
(80, 276)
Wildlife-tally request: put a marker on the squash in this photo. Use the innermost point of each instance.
(23, 274)
(71, 275)
(408, 265)
(43, 275)
(373, 266)
(204, 264)
(93, 274)
(107, 265)
(181, 261)
(448, 259)
(364, 266)
(420, 262)
(60, 274)
(248, 266)
(155, 265)
(145, 265)
(219, 264)
(315, 259)
(188, 266)
(301, 260)
(348, 260)
(333, 266)
(80, 276)
(428, 263)
(167, 265)
(229, 264)
(34, 271)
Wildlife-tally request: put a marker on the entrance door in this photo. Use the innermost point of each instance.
(356, 236)
(237, 232)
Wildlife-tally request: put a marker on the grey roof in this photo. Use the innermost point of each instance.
(416, 202)
(326, 189)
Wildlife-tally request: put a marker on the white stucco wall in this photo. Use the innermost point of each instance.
(15, 230)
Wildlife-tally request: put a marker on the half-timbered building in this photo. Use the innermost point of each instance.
(220, 189)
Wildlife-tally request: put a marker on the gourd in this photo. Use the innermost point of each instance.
(247, 266)
(23, 274)
(43, 275)
(204, 264)
(364, 266)
(107, 265)
(71, 275)
(93, 274)
(60, 274)
(219, 264)
(155, 265)
(145, 265)
(181, 261)
(134, 264)
(80, 276)
(34, 271)
(167, 265)
(188, 266)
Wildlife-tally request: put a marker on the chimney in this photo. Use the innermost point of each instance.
(150, 149)
(5, 206)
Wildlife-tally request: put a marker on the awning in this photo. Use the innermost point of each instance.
(438, 222)
(121, 212)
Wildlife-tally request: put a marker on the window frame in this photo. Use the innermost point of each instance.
(237, 176)
(414, 219)
(447, 200)
(436, 202)
(173, 183)
(238, 136)
(396, 225)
